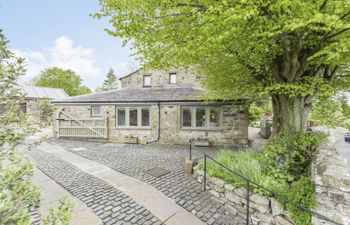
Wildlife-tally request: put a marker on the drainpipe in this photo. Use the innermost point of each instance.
(158, 126)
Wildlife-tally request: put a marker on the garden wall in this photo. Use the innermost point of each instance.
(331, 175)
(264, 210)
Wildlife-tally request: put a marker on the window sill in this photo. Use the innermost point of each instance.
(132, 128)
(199, 129)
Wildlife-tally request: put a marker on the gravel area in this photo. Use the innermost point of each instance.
(134, 160)
(110, 204)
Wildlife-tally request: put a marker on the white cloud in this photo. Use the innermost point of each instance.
(64, 54)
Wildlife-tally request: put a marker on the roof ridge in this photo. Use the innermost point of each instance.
(24, 85)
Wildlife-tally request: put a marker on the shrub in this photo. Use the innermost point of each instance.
(255, 113)
(61, 215)
(282, 166)
(18, 194)
(302, 192)
(289, 155)
(250, 164)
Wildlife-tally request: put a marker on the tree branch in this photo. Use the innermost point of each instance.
(323, 6)
(336, 34)
(198, 6)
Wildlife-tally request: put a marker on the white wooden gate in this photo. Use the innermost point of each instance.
(69, 127)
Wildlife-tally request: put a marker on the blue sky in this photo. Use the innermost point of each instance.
(61, 33)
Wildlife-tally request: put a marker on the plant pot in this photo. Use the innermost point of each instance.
(131, 140)
(201, 143)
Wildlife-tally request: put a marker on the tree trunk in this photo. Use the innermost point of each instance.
(290, 112)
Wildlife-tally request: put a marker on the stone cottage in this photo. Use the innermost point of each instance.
(164, 106)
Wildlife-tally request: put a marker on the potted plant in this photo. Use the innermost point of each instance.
(129, 139)
(201, 142)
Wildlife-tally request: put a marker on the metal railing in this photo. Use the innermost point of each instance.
(250, 183)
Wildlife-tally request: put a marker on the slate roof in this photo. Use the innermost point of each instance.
(169, 94)
(128, 75)
(35, 92)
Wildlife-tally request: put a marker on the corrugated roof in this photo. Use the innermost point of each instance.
(43, 92)
(139, 95)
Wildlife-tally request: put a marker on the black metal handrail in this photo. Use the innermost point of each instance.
(248, 185)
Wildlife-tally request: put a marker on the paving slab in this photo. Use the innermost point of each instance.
(53, 192)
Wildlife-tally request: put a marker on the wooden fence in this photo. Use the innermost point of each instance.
(69, 127)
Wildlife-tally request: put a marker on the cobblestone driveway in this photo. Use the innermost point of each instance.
(134, 160)
(110, 204)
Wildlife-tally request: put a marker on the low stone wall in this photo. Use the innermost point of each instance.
(331, 176)
(264, 210)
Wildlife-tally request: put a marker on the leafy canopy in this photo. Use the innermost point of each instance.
(332, 111)
(68, 80)
(244, 47)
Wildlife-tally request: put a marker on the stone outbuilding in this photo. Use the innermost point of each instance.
(153, 106)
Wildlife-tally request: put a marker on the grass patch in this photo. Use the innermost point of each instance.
(250, 164)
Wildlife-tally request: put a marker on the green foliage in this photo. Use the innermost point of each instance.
(332, 111)
(249, 164)
(61, 215)
(109, 83)
(282, 166)
(68, 80)
(290, 154)
(255, 113)
(302, 192)
(18, 195)
(45, 109)
(243, 48)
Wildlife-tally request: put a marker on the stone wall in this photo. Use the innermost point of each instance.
(233, 132)
(160, 78)
(331, 175)
(263, 210)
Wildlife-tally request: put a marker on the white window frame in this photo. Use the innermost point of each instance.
(171, 75)
(191, 113)
(92, 111)
(127, 117)
(207, 118)
(144, 79)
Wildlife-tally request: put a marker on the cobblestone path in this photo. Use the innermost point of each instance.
(134, 160)
(110, 204)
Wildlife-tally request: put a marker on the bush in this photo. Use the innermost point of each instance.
(282, 166)
(250, 164)
(255, 113)
(289, 155)
(302, 192)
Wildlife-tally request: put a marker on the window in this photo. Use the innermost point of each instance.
(201, 117)
(95, 111)
(134, 117)
(121, 117)
(214, 117)
(145, 117)
(147, 80)
(172, 78)
(186, 117)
